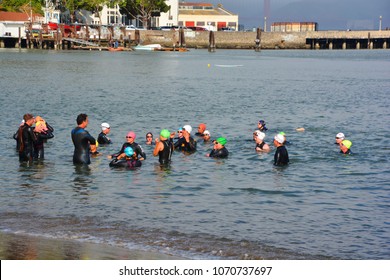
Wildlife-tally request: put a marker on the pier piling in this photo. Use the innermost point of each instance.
(211, 42)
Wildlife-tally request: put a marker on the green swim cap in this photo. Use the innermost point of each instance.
(347, 143)
(165, 133)
(221, 141)
(282, 133)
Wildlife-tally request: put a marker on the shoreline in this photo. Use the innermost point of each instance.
(15, 246)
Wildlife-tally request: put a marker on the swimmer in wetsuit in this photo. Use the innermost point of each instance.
(201, 129)
(83, 142)
(42, 132)
(164, 147)
(261, 126)
(102, 137)
(345, 147)
(186, 143)
(130, 138)
(26, 138)
(281, 155)
(261, 146)
(219, 150)
(129, 160)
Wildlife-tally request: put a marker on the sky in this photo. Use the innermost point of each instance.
(329, 14)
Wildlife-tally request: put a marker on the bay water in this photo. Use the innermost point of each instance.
(324, 205)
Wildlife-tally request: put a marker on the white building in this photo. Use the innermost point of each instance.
(170, 18)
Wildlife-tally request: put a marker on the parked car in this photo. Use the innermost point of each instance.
(227, 29)
(197, 28)
(168, 28)
(132, 27)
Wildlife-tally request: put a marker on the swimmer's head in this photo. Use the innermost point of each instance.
(188, 128)
(262, 122)
(347, 144)
(282, 133)
(222, 141)
(340, 135)
(105, 126)
(279, 138)
(131, 134)
(129, 151)
(201, 127)
(39, 119)
(259, 134)
(165, 133)
(206, 133)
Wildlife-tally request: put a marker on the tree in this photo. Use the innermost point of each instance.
(24, 6)
(143, 8)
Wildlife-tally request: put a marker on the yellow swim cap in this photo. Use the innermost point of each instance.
(347, 143)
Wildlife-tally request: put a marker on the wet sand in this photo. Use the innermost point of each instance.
(25, 247)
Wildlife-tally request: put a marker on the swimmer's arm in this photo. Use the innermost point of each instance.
(159, 147)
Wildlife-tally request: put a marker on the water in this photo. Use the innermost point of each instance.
(324, 205)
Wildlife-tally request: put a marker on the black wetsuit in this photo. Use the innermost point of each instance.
(346, 153)
(281, 156)
(183, 145)
(17, 140)
(39, 151)
(103, 139)
(81, 141)
(128, 163)
(199, 134)
(136, 148)
(164, 156)
(261, 145)
(26, 138)
(221, 153)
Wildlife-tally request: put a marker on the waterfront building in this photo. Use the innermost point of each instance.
(207, 16)
(170, 18)
(294, 26)
(11, 22)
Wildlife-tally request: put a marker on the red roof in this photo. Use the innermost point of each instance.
(195, 4)
(14, 16)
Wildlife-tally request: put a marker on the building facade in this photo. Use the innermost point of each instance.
(294, 26)
(207, 16)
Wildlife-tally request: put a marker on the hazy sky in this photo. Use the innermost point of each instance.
(329, 14)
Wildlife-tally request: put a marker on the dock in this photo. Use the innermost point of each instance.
(315, 40)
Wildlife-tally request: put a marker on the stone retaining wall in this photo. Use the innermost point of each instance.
(246, 40)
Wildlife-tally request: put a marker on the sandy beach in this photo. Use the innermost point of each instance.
(25, 247)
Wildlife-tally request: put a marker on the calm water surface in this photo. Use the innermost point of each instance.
(323, 205)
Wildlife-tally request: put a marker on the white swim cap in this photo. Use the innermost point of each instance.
(279, 138)
(105, 126)
(259, 134)
(188, 128)
(340, 135)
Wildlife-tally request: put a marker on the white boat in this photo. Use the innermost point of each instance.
(151, 47)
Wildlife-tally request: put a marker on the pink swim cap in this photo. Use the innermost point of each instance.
(131, 134)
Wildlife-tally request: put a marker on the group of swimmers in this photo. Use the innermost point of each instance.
(30, 141)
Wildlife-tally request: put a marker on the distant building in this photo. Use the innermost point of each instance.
(207, 16)
(294, 26)
(10, 22)
(170, 18)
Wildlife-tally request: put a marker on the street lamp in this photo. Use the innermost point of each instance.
(380, 23)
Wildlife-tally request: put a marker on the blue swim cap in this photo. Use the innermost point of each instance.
(129, 151)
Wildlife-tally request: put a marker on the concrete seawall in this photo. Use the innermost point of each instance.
(234, 40)
(269, 40)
